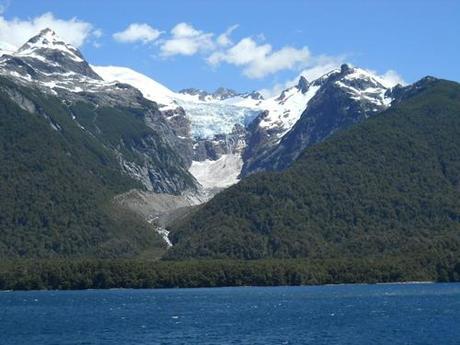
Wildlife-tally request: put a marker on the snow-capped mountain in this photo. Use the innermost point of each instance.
(178, 149)
(342, 97)
(209, 116)
(49, 61)
(219, 120)
(245, 129)
(150, 88)
(150, 152)
(222, 133)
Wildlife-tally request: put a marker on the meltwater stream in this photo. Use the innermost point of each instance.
(342, 314)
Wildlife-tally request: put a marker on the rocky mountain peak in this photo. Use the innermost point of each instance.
(46, 53)
(220, 93)
(224, 93)
(345, 68)
(48, 40)
(303, 84)
(255, 95)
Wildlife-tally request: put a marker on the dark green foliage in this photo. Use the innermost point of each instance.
(56, 187)
(96, 274)
(388, 186)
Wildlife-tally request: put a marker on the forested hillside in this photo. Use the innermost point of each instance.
(389, 186)
(57, 182)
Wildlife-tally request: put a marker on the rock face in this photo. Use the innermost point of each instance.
(261, 131)
(220, 94)
(151, 147)
(344, 97)
(221, 144)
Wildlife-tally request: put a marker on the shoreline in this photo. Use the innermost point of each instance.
(427, 282)
(72, 274)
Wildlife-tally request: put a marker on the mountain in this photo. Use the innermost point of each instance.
(57, 183)
(388, 186)
(101, 109)
(235, 134)
(70, 145)
(338, 100)
(167, 150)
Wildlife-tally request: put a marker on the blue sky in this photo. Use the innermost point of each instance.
(179, 43)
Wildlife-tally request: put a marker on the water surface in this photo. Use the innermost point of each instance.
(342, 314)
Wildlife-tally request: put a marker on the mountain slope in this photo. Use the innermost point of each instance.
(147, 146)
(340, 99)
(387, 186)
(57, 184)
(70, 142)
(150, 88)
(253, 131)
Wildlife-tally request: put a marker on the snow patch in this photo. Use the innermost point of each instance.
(218, 174)
(151, 89)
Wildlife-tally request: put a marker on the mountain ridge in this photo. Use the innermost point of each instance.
(386, 186)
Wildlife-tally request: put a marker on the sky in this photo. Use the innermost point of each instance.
(248, 45)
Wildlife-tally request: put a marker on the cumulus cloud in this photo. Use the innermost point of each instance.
(15, 32)
(259, 60)
(137, 32)
(186, 40)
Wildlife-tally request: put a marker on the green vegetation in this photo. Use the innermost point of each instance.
(379, 202)
(56, 186)
(387, 187)
(86, 274)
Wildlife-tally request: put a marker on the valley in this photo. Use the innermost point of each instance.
(105, 163)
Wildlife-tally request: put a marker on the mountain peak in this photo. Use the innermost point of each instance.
(345, 68)
(223, 93)
(46, 53)
(47, 32)
(47, 40)
(303, 84)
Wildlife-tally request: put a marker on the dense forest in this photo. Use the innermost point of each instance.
(57, 185)
(102, 274)
(387, 186)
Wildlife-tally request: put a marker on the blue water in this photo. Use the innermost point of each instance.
(344, 314)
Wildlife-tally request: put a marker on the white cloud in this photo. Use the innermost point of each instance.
(260, 60)
(186, 40)
(224, 39)
(16, 32)
(392, 78)
(137, 32)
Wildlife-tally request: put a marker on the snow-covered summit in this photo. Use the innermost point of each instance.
(150, 88)
(48, 61)
(364, 85)
(48, 40)
(209, 114)
(214, 113)
(218, 131)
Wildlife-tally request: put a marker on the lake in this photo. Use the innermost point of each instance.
(339, 314)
